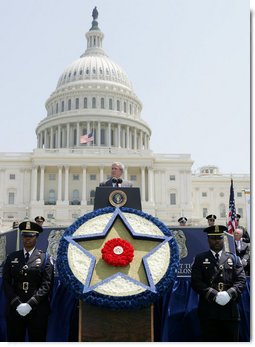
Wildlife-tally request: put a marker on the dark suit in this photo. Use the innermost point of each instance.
(27, 283)
(109, 183)
(244, 253)
(218, 323)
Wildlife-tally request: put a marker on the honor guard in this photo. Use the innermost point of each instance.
(27, 281)
(218, 277)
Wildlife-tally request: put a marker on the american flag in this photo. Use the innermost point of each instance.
(87, 138)
(232, 222)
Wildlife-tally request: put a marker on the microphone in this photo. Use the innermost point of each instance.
(119, 181)
(114, 180)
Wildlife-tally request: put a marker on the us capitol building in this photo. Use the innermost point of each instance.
(59, 178)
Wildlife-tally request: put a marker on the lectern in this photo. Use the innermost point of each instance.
(118, 197)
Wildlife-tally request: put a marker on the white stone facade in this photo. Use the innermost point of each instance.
(58, 179)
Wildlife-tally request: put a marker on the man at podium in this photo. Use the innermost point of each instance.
(116, 179)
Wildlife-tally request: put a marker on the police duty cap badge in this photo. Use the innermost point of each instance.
(30, 228)
(215, 230)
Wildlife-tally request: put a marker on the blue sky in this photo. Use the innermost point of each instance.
(188, 61)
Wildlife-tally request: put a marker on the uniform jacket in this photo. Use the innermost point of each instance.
(27, 282)
(244, 253)
(109, 183)
(207, 278)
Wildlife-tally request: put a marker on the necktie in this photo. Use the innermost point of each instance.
(217, 257)
(26, 257)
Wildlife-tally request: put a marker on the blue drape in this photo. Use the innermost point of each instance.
(176, 317)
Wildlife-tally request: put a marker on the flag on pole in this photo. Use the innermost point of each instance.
(87, 138)
(232, 222)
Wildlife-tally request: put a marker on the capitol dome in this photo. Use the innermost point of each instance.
(93, 96)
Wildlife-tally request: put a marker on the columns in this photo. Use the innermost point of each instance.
(143, 183)
(34, 184)
(84, 185)
(41, 198)
(77, 134)
(118, 136)
(150, 184)
(59, 136)
(99, 134)
(109, 135)
(68, 135)
(135, 140)
(59, 183)
(128, 138)
(101, 175)
(141, 140)
(51, 137)
(66, 197)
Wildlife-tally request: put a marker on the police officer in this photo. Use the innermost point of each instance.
(39, 220)
(211, 219)
(27, 280)
(182, 221)
(218, 277)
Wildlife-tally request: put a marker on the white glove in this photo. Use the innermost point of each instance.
(23, 309)
(222, 298)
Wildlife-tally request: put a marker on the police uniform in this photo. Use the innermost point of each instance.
(27, 282)
(219, 322)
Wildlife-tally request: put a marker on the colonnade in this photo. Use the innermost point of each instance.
(145, 177)
(111, 135)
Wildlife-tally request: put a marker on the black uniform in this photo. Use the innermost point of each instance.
(244, 253)
(110, 183)
(218, 323)
(27, 283)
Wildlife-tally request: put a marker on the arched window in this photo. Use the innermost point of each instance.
(85, 103)
(110, 104)
(118, 105)
(57, 108)
(102, 102)
(62, 106)
(77, 103)
(125, 107)
(69, 104)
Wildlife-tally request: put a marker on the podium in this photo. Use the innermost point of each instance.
(104, 196)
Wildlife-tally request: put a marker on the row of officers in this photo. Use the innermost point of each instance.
(217, 276)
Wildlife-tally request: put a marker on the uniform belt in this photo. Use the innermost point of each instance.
(220, 286)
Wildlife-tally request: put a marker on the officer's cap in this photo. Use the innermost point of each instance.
(30, 228)
(216, 230)
(39, 219)
(211, 216)
(182, 220)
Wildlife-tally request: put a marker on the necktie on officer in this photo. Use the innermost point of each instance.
(217, 257)
(26, 257)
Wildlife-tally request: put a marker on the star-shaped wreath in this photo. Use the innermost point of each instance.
(118, 258)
